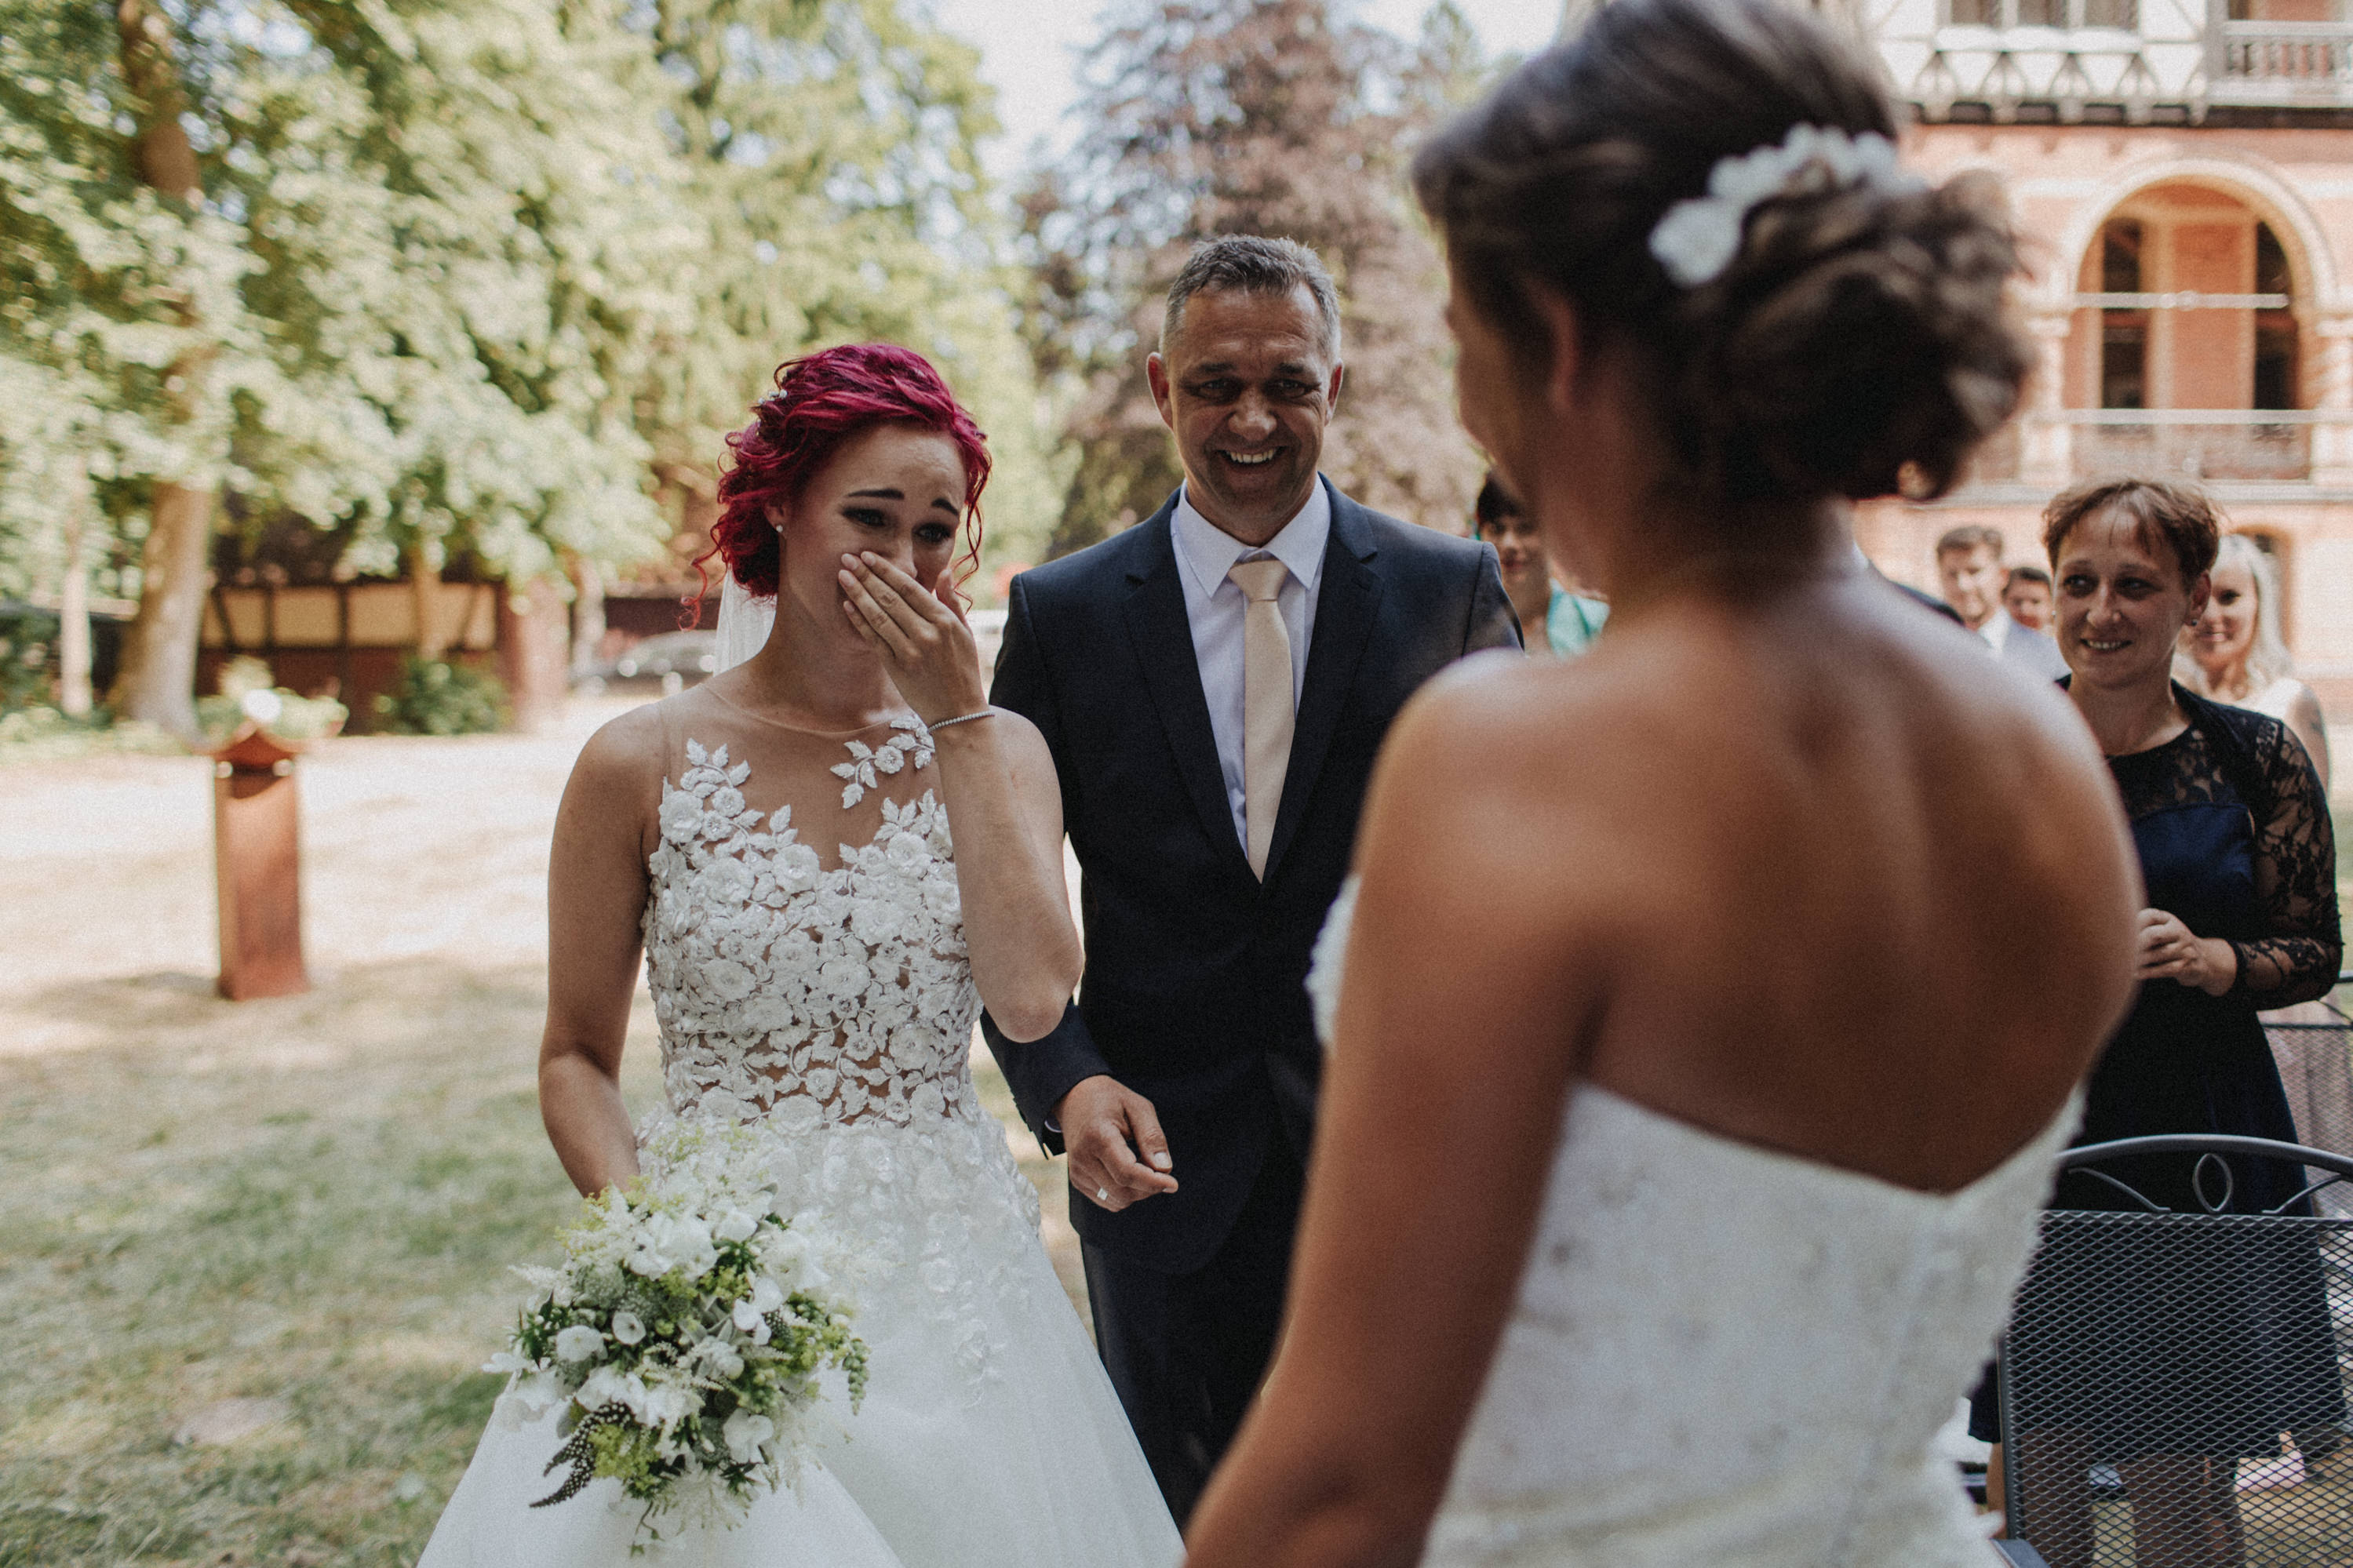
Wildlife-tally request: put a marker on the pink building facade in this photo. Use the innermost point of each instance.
(2183, 177)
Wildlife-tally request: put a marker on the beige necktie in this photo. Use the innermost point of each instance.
(1266, 702)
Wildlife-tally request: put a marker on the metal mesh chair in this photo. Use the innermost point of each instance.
(2173, 1384)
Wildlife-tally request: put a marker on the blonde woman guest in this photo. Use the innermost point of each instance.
(2233, 654)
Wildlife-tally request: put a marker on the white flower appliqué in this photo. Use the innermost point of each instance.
(1698, 239)
(833, 1010)
(866, 761)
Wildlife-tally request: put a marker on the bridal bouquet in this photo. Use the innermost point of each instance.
(684, 1335)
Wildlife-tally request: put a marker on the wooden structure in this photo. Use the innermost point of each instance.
(349, 638)
(257, 840)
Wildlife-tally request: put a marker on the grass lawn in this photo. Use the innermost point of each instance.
(311, 1200)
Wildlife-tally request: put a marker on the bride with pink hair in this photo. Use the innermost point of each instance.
(831, 855)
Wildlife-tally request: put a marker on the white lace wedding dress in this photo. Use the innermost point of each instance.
(1725, 1355)
(833, 1009)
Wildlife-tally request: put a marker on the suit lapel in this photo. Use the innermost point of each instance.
(1344, 622)
(1163, 636)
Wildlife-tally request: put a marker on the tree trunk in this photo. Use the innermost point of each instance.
(157, 683)
(73, 618)
(425, 591)
(587, 614)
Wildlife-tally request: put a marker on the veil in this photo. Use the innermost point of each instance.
(743, 623)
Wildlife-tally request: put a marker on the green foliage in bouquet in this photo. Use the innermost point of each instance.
(684, 1339)
(437, 698)
(672, 1315)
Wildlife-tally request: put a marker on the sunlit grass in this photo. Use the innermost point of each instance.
(313, 1200)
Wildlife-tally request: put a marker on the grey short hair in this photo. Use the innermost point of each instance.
(1254, 265)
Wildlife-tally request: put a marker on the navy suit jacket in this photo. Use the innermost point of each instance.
(1193, 995)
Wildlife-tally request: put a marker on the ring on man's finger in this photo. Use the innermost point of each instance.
(1102, 1194)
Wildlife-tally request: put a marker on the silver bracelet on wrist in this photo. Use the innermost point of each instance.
(960, 719)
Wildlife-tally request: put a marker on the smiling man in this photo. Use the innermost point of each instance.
(1214, 684)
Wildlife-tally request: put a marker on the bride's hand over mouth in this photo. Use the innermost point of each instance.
(924, 638)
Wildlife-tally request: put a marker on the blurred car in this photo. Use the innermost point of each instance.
(674, 659)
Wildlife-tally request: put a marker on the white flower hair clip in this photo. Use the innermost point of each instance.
(1698, 239)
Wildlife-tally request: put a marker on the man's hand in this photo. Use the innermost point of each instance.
(1118, 1153)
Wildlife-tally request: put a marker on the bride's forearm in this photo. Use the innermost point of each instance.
(580, 1105)
(1017, 913)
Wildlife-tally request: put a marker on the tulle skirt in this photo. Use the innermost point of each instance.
(989, 1434)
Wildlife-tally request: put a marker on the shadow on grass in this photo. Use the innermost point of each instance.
(313, 1200)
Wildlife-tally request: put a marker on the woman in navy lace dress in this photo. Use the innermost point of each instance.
(2239, 867)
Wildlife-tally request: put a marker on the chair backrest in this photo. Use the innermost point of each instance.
(2172, 1385)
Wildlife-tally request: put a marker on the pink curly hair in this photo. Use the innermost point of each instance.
(821, 401)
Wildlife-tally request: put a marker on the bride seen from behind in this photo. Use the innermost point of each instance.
(1664, 1224)
(832, 854)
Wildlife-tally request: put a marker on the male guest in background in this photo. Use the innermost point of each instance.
(1552, 619)
(2026, 595)
(1969, 571)
(1214, 683)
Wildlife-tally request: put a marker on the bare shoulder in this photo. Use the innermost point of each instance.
(1502, 769)
(2304, 712)
(626, 749)
(617, 779)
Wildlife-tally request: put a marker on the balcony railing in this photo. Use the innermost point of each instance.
(2282, 62)
(2121, 440)
(2095, 60)
(2259, 444)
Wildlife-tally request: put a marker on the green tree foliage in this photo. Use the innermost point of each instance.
(445, 277)
(1209, 116)
(826, 149)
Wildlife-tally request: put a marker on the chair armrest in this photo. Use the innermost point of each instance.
(2019, 1554)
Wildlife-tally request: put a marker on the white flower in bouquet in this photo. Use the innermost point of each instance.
(684, 1338)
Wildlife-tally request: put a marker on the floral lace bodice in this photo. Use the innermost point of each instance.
(799, 995)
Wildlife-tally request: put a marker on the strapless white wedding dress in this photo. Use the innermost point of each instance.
(1722, 1355)
(833, 1010)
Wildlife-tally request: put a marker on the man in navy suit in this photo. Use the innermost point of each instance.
(1214, 684)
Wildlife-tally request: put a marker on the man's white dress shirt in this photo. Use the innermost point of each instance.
(1996, 630)
(1214, 605)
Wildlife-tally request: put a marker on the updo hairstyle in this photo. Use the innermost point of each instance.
(822, 401)
(1857, 343)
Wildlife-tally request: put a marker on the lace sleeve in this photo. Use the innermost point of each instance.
(2296, 882)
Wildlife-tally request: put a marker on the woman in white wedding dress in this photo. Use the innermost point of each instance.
(1662, 1226)
(778, 841)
